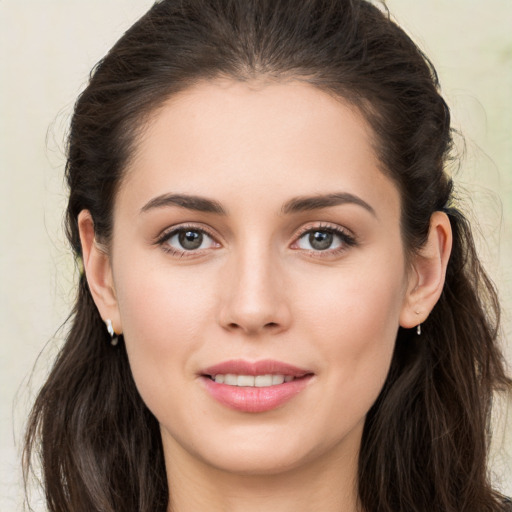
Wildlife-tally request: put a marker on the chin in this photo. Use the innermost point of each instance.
(255, 461)
(270, 449)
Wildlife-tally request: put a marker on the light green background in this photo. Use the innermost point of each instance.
(47, 48)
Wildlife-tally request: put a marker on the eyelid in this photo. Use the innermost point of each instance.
(169, 232)
(323, 226)
(347, 236)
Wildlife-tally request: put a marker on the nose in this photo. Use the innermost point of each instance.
(254, 298)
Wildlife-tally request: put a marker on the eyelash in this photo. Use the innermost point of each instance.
(168, 234)
(347, 240)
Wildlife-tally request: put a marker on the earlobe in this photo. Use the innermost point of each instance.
(98, 271)
(428, 272)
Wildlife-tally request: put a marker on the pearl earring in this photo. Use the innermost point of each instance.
(418, 329)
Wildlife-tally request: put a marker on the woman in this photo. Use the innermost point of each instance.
(281, 305)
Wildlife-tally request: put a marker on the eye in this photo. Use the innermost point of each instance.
(185, 239)
(324, 239)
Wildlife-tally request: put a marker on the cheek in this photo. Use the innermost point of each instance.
(163, 316)
(157, 303)
(354, 318)
(355, 332)
(354, 304)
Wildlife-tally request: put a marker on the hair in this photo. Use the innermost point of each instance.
(424, 445)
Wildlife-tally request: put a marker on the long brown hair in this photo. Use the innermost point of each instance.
(425, 438)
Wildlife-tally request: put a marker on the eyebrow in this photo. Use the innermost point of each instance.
(295, 205)
(301, 204)
(197, 203)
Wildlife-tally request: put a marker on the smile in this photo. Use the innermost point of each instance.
(258, 381)
(254, 387)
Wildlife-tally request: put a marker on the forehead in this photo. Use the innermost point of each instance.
(223, 138)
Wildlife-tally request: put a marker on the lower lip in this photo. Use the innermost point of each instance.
(253, 399)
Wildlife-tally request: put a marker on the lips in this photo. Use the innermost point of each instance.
(254, 386)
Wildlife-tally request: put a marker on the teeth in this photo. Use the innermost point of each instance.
(262, 381)
(231, 379)
(259, 381)
(278, 379)
(245, 380)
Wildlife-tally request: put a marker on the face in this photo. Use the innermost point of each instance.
(259, 275)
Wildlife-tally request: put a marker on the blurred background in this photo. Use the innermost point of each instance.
(47, 48)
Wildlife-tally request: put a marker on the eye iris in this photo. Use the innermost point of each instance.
(321, 240)
(190, 240)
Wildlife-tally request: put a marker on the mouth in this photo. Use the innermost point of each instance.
(259, 374)
(253, 381)
(255, 387)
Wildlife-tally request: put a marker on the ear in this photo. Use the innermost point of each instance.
(428, 272)
(98, 270)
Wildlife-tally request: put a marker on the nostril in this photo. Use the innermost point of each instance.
(268, 325)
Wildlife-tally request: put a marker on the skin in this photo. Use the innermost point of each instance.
(257, 289)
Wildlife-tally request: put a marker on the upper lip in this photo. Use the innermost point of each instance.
(264, 367)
